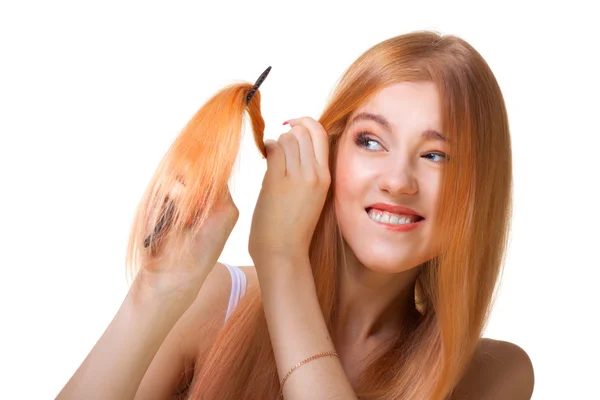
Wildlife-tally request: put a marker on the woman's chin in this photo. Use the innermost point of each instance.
(384, 256)
(388, 264)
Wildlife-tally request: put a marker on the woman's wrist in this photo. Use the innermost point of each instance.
(298, 330)
(278, 262)
(166, 287)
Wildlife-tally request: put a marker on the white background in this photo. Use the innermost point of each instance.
(92, 95)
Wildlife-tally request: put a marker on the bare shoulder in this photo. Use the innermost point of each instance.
(252, 278)
(207, 313)
(498, 370)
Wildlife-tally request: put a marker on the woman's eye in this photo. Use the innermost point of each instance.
(437, 157)
(365, 141)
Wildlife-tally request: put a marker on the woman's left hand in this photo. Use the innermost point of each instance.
(293, 192)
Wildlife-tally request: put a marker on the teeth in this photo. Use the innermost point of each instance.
(385, 218)
(389, 218)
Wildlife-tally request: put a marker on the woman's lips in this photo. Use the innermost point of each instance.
(396, 227)
(394, 208)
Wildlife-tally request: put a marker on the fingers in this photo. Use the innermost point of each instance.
(307, 153)
(283, 156)
(319, 137)
(304, 148)
(276, 168)
(291, 148)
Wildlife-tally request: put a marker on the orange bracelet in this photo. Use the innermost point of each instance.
(311, 358)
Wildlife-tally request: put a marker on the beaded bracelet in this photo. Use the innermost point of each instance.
(311, 358)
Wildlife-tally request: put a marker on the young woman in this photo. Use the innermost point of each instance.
(377, 239)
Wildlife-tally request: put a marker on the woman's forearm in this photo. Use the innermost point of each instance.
(119, 360)
(298, 330)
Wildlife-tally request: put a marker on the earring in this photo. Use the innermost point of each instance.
(420, 300)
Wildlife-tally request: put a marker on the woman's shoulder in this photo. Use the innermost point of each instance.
(498, 370)
(223, 278)
(206, 315)
(250, 273)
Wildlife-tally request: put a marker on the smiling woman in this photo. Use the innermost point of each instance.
(378, 239)
(409, 245)
(391, 154)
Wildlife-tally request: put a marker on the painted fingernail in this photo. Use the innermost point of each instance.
(286, 122)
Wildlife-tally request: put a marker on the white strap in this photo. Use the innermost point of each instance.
(238, 288)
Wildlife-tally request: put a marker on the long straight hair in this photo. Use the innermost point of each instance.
(201, 159)
(426, 360)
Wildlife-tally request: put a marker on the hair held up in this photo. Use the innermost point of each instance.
(202, 164)
(427, 358)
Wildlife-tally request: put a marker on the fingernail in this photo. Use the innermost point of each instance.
(287, 122)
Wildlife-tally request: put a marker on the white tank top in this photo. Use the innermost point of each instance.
(238, 288)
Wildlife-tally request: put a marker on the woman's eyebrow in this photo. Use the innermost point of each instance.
(380, 119)
(429, 134)
(432, 134)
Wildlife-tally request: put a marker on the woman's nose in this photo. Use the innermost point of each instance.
(398, 180)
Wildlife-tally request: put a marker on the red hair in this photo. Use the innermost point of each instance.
(428, 358)
(202, 158)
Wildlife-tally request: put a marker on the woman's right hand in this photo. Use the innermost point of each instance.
(166, 271)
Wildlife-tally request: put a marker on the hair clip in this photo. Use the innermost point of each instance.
(168, 207)
(259, 82)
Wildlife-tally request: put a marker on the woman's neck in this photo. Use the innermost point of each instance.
(371, 305)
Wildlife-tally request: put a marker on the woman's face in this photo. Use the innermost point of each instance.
(390, 156)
